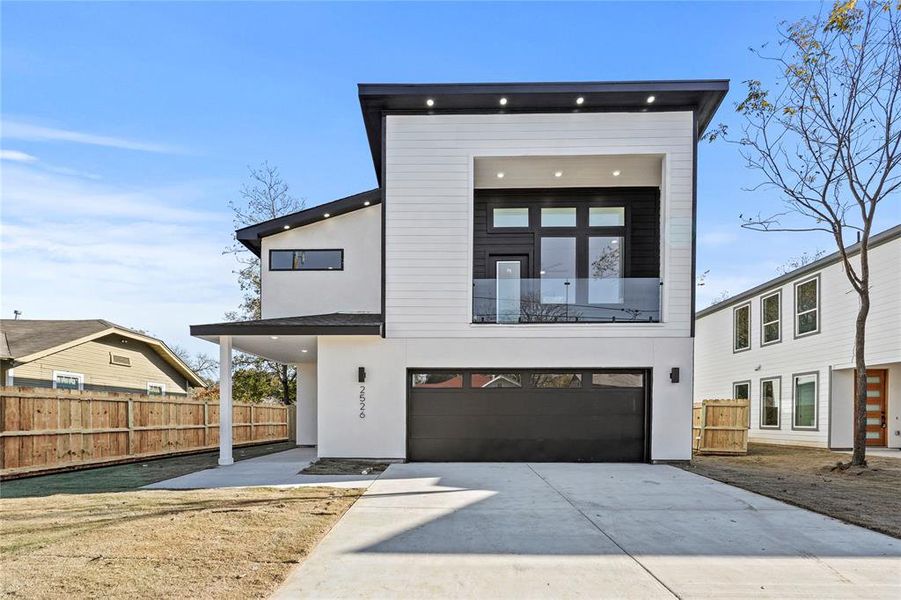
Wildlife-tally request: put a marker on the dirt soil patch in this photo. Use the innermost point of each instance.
(342, 466)
(807, 477)
(162, 544)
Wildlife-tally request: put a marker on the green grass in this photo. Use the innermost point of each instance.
(125, 477)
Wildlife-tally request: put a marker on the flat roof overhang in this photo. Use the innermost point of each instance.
(330, 324)
(379, 99)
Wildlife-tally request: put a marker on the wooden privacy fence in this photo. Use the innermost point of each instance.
(48, 429)
(720, 427)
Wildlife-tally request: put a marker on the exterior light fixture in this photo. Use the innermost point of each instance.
(286, 227)
(503, 101)
(500, 175)
(651, 99)
(326, 215)
(304, 350)
(273, 337)
(558, 173)
(429, 102)
(580, 100)
(616, 173)
(366, 203)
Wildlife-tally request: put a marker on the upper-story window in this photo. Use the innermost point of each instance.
(771, 318)
(807, 307)
(741, 328)
(306, 260)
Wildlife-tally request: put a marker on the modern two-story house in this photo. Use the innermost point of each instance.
(787, 346)
(520, 286)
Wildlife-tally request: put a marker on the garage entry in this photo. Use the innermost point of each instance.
(561, 415)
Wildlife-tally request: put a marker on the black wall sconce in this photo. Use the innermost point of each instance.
(361, 374)
(674, 375)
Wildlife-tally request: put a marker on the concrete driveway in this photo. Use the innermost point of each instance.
(586, 531)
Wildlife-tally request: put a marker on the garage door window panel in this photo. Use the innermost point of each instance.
(437, 380)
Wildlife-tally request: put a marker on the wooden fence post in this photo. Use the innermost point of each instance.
(131, 426)
(252, 432)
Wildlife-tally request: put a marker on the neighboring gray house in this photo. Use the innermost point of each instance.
(90, 355)
(787, 345)
(519, 286)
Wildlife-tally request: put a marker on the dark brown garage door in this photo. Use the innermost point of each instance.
(535, 415)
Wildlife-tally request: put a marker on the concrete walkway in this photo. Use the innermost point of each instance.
(586, 531)
(273, 470)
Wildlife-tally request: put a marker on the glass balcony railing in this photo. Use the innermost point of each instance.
(545, 300)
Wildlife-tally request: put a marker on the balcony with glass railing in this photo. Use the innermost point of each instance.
(516, 300)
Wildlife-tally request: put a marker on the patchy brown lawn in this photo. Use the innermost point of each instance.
(344, 466)
(806, 477)
(162, 544)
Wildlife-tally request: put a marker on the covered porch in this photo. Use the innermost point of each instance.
(287, 340)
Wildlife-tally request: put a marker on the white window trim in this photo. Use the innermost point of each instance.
(162, 386)
(816, 309)
(778, 321)
(777, 389)
(736, 350)
(78, 376)
(816, 400)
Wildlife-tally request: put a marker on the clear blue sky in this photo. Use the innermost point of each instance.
(128, 127)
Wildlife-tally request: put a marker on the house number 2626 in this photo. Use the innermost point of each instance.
(362, 401)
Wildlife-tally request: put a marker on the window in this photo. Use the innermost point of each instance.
(558, 270)
(770, 402)
(437, 380)
(64, 380)
(556, 380)
(495, 380)
(606, 216)
(741, 328)
(558, 217)
(807, 307)
(805, 401)
(510, 217)
(741, 390)
(306, 260)
(771, 319)
(156, 389)
(617, 380)
(605, 270)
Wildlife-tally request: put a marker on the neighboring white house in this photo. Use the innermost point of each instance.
(520, 286)
(788, 345)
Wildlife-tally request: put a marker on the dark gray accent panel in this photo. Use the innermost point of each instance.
(586, 424)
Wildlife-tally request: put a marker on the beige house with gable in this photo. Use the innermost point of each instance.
(90, 355)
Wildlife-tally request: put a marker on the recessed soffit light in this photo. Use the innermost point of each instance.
(580, 100)
(286, 227)
(558, 173)
(366, 203)
(326, 215)
(304, 350)
(273, 337)
(651, 99)
(617, 173)
(503, 101)
(430, 102)
(500, 175)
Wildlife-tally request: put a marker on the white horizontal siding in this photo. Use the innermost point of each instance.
(429, 197)
(717, 367)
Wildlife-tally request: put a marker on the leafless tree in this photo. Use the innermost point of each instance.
(796, 262)
(201, 363)
(828, 141)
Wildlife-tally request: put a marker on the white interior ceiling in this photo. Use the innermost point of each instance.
(575, 171)
(288, 349)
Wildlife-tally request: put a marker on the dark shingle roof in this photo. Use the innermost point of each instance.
(27, 336)
(328, 324)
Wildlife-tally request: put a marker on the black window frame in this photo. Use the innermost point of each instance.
(294, 250)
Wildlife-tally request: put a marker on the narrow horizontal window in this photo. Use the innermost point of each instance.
(510, 217)
(617, 380)
(64, 380)
(741, 328)
(556, 380)
(805, 409)
(437, 380)
(558, 217)
(495, 380)
(306, 260)
(606, 216)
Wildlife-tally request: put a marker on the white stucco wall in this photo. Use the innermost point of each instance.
(355, 289)
(717, 367)
(382, 433)
(307, 390)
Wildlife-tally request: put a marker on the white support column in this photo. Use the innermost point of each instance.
(306, 404)
(225, 400)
